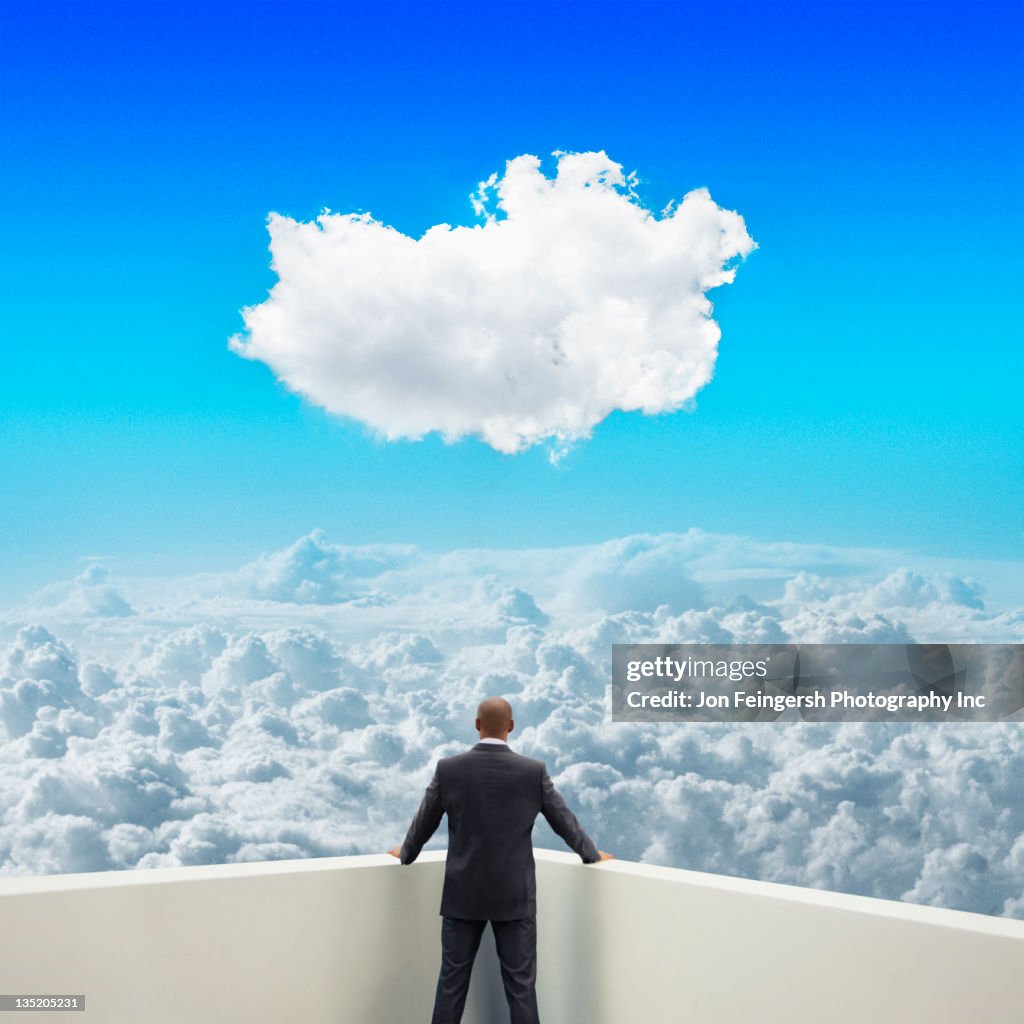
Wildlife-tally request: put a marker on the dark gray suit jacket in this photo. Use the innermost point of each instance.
(492, 796)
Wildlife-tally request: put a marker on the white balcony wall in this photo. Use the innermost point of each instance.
(355, 940)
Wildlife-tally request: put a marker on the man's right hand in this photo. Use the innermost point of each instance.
(601, 855)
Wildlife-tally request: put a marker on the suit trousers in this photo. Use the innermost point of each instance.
(516, 944)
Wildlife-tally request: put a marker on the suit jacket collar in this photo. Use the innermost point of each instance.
(491, 746)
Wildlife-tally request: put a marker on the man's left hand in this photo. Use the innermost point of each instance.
(396, 853)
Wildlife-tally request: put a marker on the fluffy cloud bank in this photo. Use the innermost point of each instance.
(291, 717)
(570, 300)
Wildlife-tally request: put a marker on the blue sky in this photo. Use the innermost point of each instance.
(867, 388)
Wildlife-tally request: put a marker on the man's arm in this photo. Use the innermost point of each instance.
(424, 825)
(564, 822)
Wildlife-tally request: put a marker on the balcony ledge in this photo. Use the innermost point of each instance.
(356, 940)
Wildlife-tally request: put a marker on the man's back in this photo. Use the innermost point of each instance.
(492, 796)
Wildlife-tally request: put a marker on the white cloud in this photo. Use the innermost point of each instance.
(90, 593)
(314, 571)
(570, 300)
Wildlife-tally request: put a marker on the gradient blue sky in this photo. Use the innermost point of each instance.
(869, 380)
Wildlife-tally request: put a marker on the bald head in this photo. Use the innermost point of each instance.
(494, 718)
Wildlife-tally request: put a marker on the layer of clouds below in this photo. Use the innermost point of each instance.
(570, 300)
(295, 708)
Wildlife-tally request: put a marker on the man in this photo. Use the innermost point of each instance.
(492, 797)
